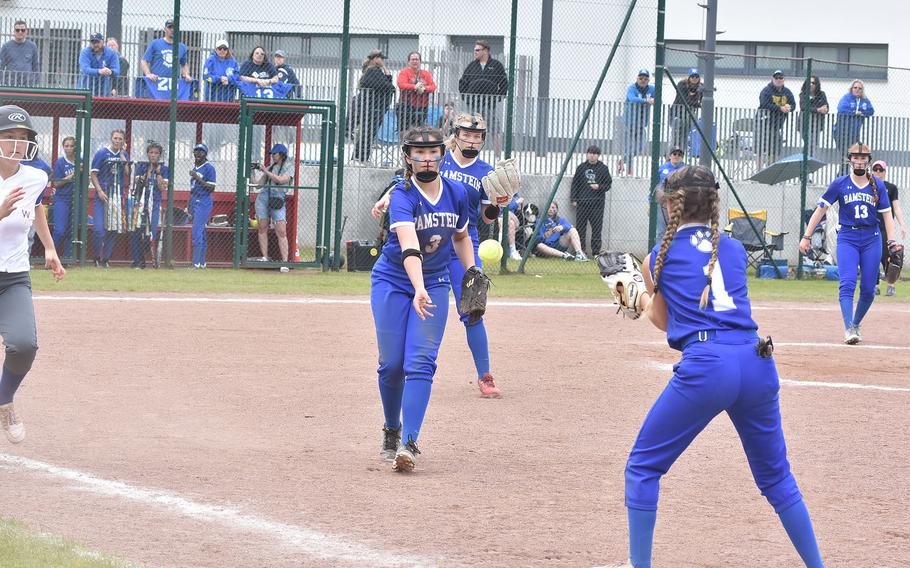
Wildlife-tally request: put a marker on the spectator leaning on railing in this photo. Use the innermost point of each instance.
(639, 98)
(286, 73)
(689, 92)
(258, 70)
(415, 85)
(220, 74)
(852, 111)
(120, 85)
(775, 103)
(19, 61)
(98, 64)
(483, 85)
(816, 104)
(157, 62)
(375, 94)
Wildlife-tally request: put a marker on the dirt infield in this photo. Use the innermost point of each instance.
(191, 433)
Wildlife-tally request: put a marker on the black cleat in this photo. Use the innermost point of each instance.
(391, 440)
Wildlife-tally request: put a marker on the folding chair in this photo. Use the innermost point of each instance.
(740, 229)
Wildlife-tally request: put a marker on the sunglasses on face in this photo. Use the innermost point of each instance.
(20, 30)
(858, 88)
(676, 153)
(878, 169)
(476, 49)
(222, 48)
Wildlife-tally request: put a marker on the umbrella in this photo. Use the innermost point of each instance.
(786, 169)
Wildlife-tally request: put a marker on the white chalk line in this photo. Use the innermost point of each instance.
(668, 367)
(365, 302)
(307, 541)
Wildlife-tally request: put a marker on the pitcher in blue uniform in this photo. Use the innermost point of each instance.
(461, 164)
(859, 239)
(202, 184)
(410, 285)
(698, 295)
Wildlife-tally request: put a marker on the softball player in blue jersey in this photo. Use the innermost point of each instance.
(724, 367)
(110, 173)
(64, 175)
(21, 188)
(859, 239)
(409, 289)
(202, 184)
(151, 183)
(461, 164)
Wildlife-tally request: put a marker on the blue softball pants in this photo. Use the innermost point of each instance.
(476, 332)
(201, 209)
(63, 224)
(858, 248)
(723, 373)
(103, 239)
(136, 240)
(408, 346)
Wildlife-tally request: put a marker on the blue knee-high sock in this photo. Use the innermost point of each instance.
(641, 536)
(9, 384)
(391, 403)
(799, 528)
(846, 310)
(862, 306)
(414, 403)
(480, 348)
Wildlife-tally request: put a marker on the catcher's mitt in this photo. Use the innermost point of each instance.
(503, 182)
(474, 288)
(895, 262)
(621, 272)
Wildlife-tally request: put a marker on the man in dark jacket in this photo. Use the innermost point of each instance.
(590, 185)
(120, 83)
(482, 86)
(775, 103)
(689, 92)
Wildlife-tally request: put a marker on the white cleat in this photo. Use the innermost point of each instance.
(851, 336)
(15, 429)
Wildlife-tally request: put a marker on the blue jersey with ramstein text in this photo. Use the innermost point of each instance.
(470, 175)
(207, 171)
(683, 279)
(435, 222)
(62, 169)
(856, 206)
(151, 182)
(106, 163)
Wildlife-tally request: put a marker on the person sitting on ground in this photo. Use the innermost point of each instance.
(558, 238)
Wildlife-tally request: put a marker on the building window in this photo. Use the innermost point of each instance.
(313, 50)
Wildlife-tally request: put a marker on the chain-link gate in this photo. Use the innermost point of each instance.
(284, 176)
(63, 121)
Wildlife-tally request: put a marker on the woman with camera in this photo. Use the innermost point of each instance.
(270, 203)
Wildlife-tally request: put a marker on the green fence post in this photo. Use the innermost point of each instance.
(507, 150)
(240, 223)
(804, 173)
(581, 127)
(342, 108)
(172, 144)
(330, 168)
(659, 58)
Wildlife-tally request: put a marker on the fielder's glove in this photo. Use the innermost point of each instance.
(621, 272)
(474, 288)
(895, 262)
(503, 182)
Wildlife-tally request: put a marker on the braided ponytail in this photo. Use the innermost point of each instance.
(408, 172)
(872, 182)
(677, 203)
(711, 195)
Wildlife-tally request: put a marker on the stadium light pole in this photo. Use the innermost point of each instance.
(707, 101)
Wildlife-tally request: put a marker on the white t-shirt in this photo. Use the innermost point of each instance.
(15, 226)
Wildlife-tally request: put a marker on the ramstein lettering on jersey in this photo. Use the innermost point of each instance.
(440, 219)
(463, 178)
(854, 197)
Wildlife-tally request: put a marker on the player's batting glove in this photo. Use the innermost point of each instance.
(503, 182)
(621, 272)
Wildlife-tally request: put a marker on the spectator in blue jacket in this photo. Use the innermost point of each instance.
(98, 63)
(286, 73)
(220, 74)
(775, 103)
(852, 111)
(558, 238)
(639, 98)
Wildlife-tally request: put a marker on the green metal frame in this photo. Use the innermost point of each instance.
(83, 118)
(248, 109)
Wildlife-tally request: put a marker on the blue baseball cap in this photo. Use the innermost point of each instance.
(96, 37)
(778, 74)
(644, 72)
(279, 149)
(202, 147)
(693, 72)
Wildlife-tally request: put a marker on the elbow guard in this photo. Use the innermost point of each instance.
(411, 252)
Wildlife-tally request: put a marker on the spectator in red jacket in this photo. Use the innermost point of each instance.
(415, 85)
